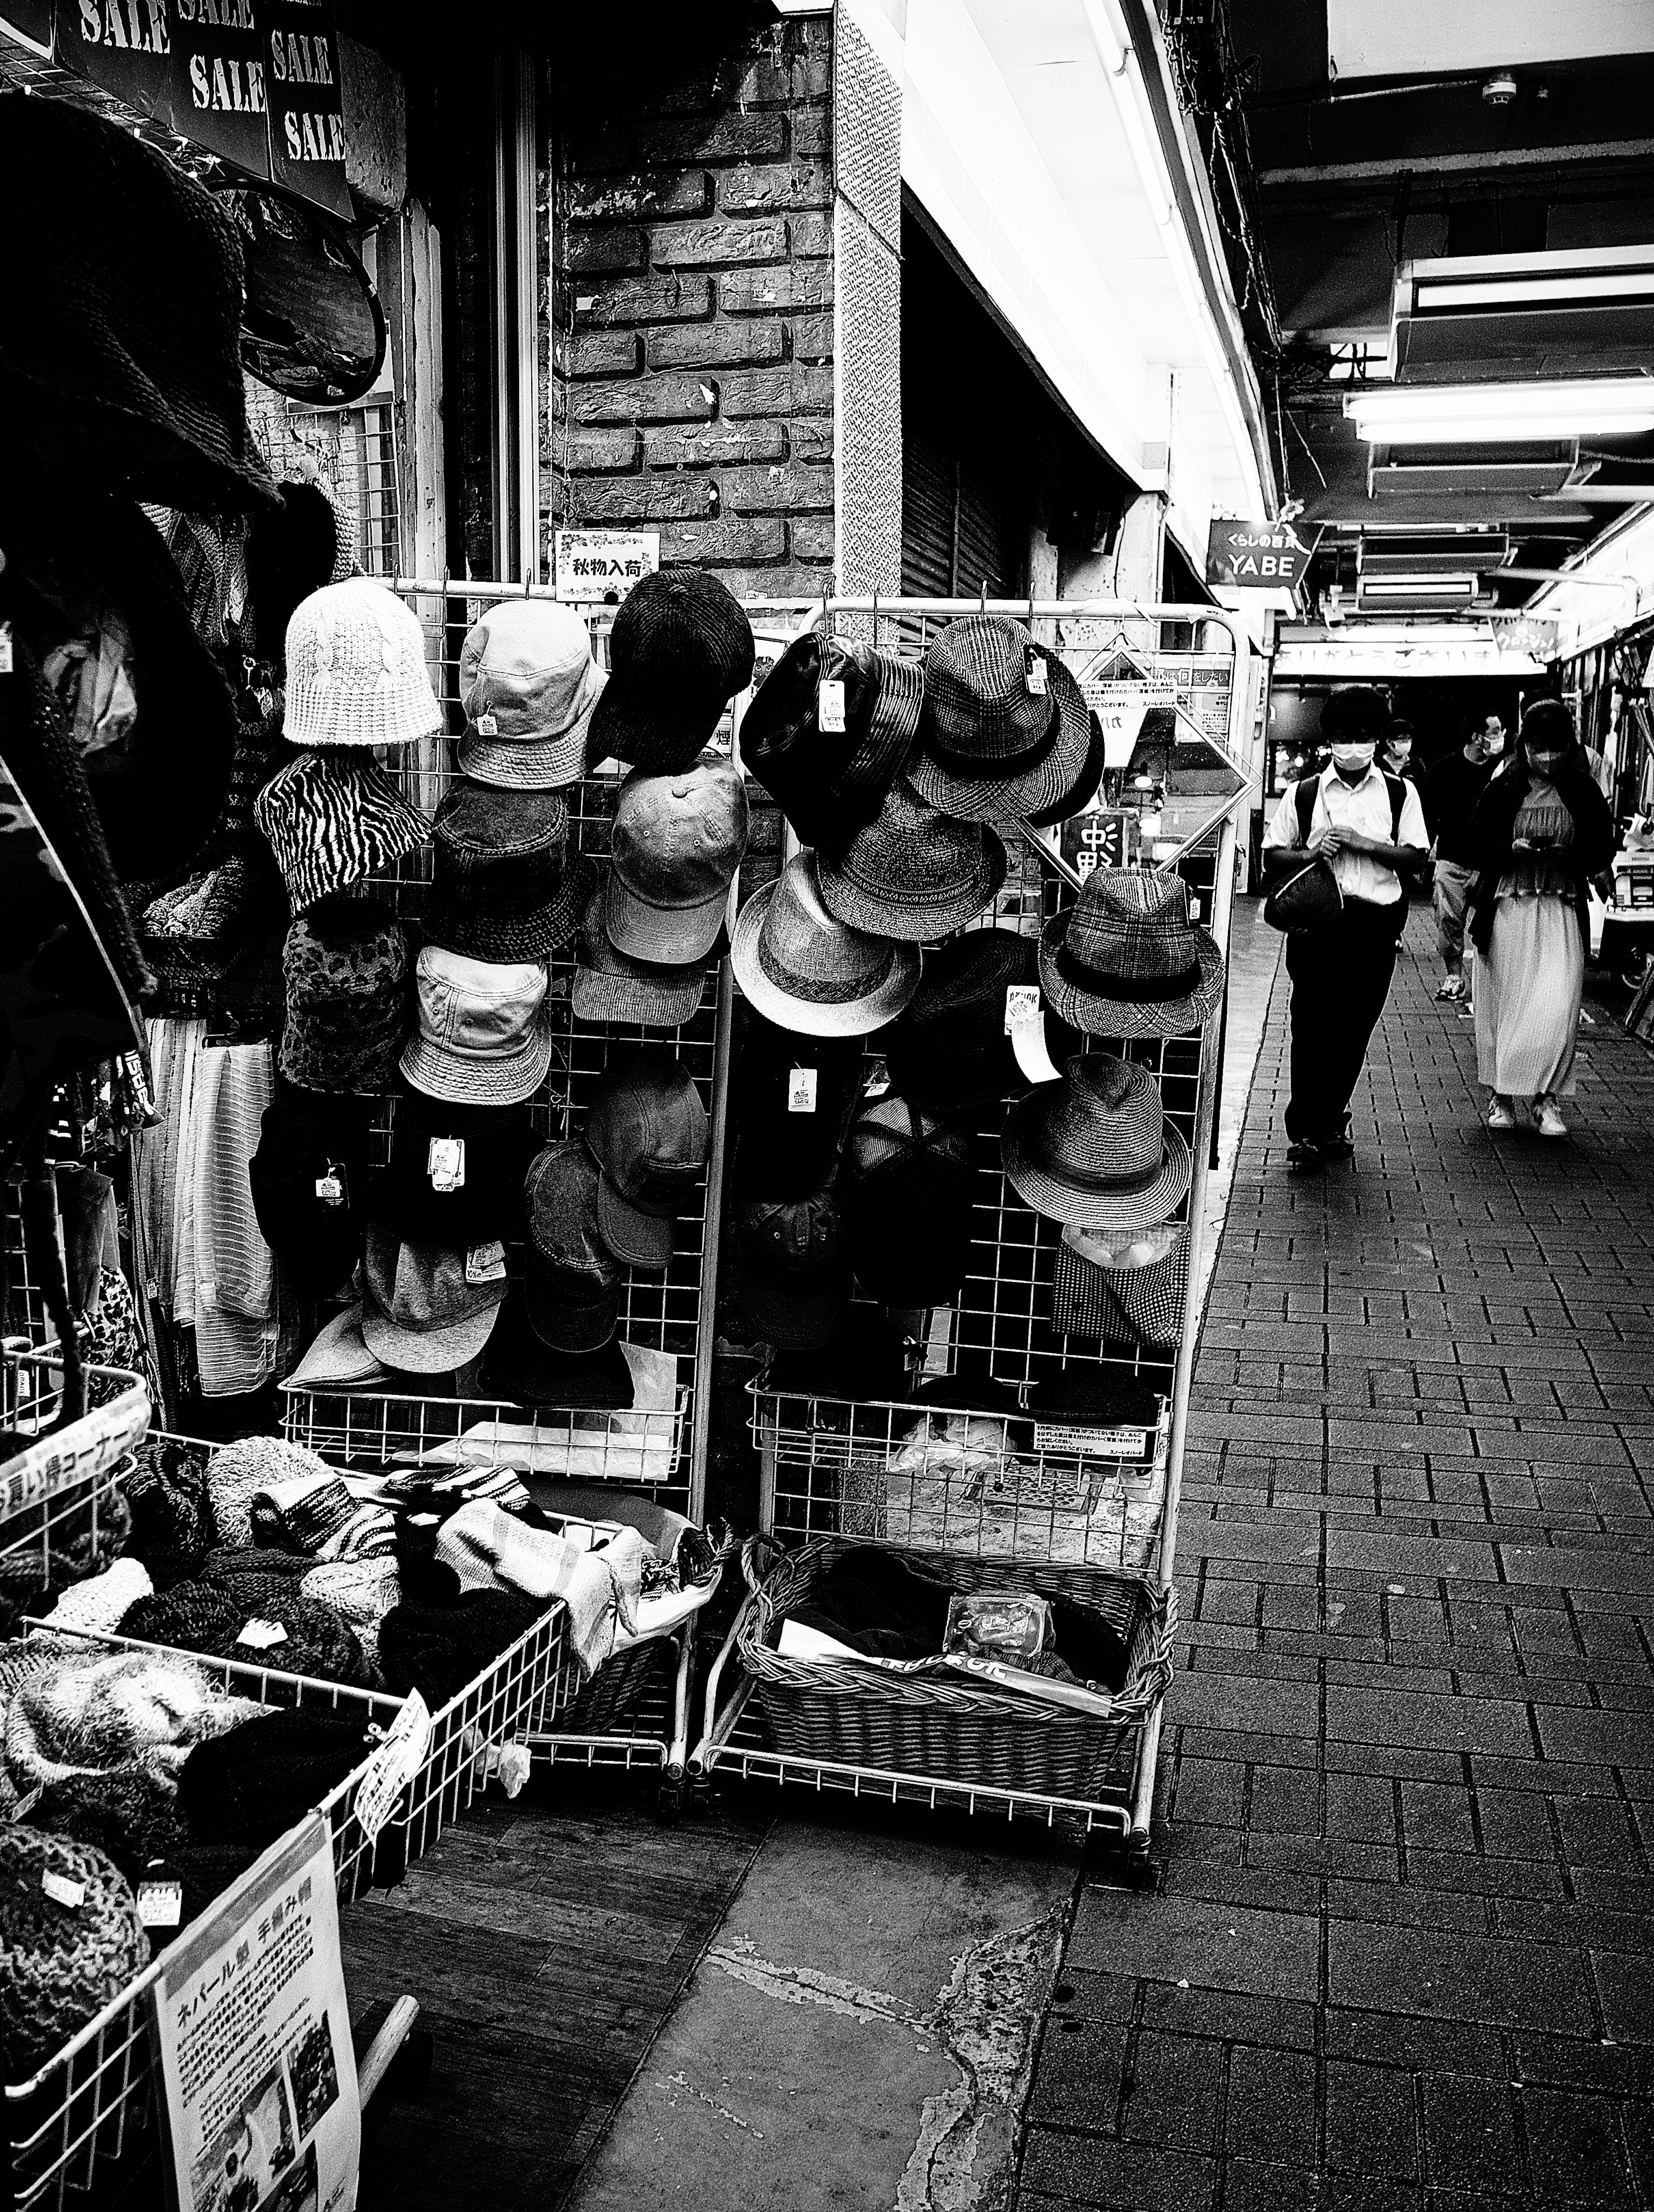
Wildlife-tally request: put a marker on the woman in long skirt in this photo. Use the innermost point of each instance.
(1540, 832)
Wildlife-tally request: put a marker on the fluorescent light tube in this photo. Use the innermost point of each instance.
(1490, 414)
(1534, 291)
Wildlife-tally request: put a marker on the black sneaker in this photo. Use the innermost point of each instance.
(1341, 1147)
(1304, 1154)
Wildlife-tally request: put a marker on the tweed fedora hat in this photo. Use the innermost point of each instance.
(914, 873)
(1002, 737)
(507, 885)
(332, 818)
(829, 782)
(1080, 793)
(1125, 960)
(1096, 1147)
(952, 1047)
(612, 986)
(804, 969)
(421, 1312)
(528, 684)
(356, 672)
(681, 649)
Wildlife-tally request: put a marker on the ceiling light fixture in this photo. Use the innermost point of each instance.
(1500, 91)
(1503, 414)
(1438, 590)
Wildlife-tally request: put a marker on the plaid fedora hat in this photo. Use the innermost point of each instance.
(828, 783)
(1125, 960)
(507, 885)
(1002, 737)
(952, 1048)
(681, 649)
(1096, 1147)
(332, 818)
(804, 969)
(914, 873)
(612, 986)
(1079, 794)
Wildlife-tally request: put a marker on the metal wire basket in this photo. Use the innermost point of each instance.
(31, 1397)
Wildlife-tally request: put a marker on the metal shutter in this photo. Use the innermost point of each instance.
(927, 519)
(989, 546)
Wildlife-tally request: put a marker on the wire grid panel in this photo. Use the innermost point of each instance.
(45, 1482)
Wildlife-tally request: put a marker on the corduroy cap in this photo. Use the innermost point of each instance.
(483, 1038)
(345, 966)
(681, 649)
(1005, 733)
(906, 1189)
(647, 1131)
(950, 1048)
(456, 1171)
(332, 818)
(508, 884)
(571, 1280)
(309, 1179)
(528, 684)
(914, 873)
(805, 970)
(612, 986)
(1125, 960)
(676, 844)
(829, 783)
(422, 1311)
(356, 672)
(1096, 1148)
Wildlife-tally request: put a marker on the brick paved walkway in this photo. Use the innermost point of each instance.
(1401, 1957)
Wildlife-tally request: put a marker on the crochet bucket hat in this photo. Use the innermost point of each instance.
(350, 1008)
(483, 1036)
(674, 848)
(1125, 960)
(914, 873)
(1006, 732)
(829, 782)
(807, 970)
(611, 987)
(529, 684)
(509, 886)
(1096, 1148)
(356, 672)
(332, 818)
(681, 649)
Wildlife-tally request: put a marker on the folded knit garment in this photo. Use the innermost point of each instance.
(251, 1463)
(250, 1785)
(437, 1649)
(92, 1716)
(210, 1617)
(165, 1491)
(318, 1515)
(99, 1605)
(362, 1591)
(130, 1816)
(60, 1965)
(489, 1549)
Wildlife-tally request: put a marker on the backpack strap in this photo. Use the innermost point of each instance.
(1398, 791)
(1304, 793)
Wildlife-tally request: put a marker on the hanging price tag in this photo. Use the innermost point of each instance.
(486, 1263)
(394, 1765)
(801, 1091)
(62, 1891)
(1036, 673)
(160, 1903)
(262, 1635)
(329, 1185)
(444, 1163)
(5, 648)
(1022, 1007)
(487, 726)
(830, 704)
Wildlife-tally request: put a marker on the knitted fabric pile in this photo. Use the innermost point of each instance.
(210, 1617)
(134, 1710)
(251, 1464)
(252, 1784)
(166, 1495)
(438, 1648)
(60, 1965)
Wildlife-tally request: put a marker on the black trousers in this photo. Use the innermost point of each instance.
(1340, 981)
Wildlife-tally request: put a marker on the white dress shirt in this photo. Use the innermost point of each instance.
(1363, 807)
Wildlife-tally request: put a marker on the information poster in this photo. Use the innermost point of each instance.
(599, 565)
(260, 2076)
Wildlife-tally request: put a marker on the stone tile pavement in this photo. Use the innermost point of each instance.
(1400, 1951)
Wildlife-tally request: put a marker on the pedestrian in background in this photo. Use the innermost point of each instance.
(1396, 754)
(1450, 793)
(1540, 830)
(1371, 828)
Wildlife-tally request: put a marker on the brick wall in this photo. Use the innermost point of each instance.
(691, 313)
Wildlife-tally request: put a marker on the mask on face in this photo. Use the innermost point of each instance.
(1353, 756)
(1493, 743)
(1545, 763)
(1401, 755)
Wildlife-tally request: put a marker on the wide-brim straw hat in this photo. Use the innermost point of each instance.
(1097, 1148)
(914, 873)
(1125, 960)
(807, 970)
(990, 748)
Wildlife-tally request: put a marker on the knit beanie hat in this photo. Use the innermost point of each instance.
(166, 1490)
(356, 671)
(250, 1785)
(89, 1715)
(132, 1816)
(210, 1618)
(438, 1648)
(98, 1605)
(60, 1965)
(240, 1468)
(361, 1591)
(259, 1581)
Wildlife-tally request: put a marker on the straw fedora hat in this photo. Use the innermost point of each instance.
(804, 969)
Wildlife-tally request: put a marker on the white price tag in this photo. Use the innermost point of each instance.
(1039, 677)
(330, 1188)
(160, 1903)
(24, 1806)
(61, 1890)
(444, 1163)
(423, 1520)
(394, 1765)
(801, 1091)
(486, 1263)
(487, 726)
(5, 648)
(1022, 1007)
(262, 1635)
(830, 704)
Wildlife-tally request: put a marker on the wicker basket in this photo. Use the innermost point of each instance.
(601, 1707)
(934, 1724)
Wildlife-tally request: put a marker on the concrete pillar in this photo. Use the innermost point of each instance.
(868, 41)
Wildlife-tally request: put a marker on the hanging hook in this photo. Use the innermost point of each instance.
(982, 599)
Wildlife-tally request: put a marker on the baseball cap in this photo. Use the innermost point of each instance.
(456, 1172)
(612, 986)
(338, 1357)
(789, 1097)
(528, 684)
(676, 844)
(681, 649)
(518, 1366)
(571, 1283)
(647, 1131)
(795, 1269)
(483, 1038)
(309, 1181)
(425, 1310)
(906, 1190)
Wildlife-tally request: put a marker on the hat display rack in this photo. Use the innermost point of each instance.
(1030, 1457)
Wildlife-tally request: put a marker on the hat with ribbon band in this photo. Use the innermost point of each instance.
(1005, 733)
(1125, 960)
(804, 969)
(1096, 1147)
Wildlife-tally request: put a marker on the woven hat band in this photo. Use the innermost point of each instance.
(825, 990)
(999, 767)
(1093, 1179)
(1137, 990)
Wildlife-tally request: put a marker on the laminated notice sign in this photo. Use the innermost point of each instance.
(602, 565)
(263, 2109)
(394, 1765)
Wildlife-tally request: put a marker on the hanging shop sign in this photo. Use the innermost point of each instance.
(1103, 837)
(262, 2106)
(220, 83)
(1256, 557)
(602, 565)
(125, 46)
(306, 108)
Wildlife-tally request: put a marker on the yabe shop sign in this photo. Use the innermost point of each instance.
(1253, 556)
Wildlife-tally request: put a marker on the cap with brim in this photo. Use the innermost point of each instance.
(678, 935)
(612, 986)
(1080, 795)
(339, 1358)
(570, 1312)
(679, 650)
(795, 1271)
(506, 886)
(538, 763)
(914, 873)
(309, 1184)
(571, 1280)
(802, 968)
(1027, 781)
(506, 1079)
(421, 1315)
(484, 1035)
(1096, 1148)
(518, 1367)
(642, 1240)
(675, 845)
(1124, 960)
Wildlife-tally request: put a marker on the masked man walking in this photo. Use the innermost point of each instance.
(1449, 794)
(1370, 826)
